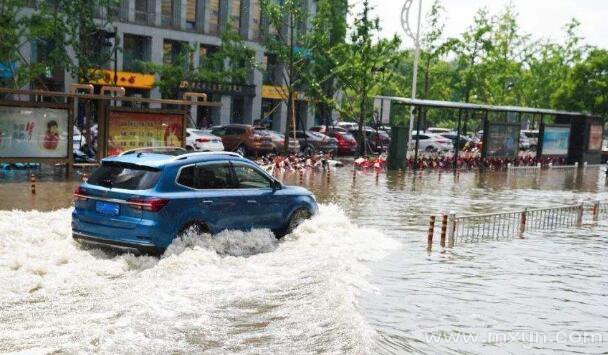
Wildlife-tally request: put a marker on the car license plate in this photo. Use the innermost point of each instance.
(107, 208)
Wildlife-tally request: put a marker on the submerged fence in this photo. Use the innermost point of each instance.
(496, 226)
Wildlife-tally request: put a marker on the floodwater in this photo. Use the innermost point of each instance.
(357, 278)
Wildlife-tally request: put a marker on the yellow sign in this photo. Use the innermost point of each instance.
(125, 79)
(279, 93)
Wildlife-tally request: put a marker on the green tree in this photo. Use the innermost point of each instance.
(366, 65)
(327, 32)
(586, 88)
(286, 38)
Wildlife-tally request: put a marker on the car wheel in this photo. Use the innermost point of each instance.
(241, 150)
(194, 227)
(297, 218)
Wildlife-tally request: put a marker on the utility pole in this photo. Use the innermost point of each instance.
(405, 24)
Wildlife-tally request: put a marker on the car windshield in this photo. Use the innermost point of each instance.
(200, 132)
(124, 176)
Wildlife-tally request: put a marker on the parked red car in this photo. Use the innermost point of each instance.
(347, 144)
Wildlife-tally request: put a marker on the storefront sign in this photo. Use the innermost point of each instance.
(596, 136)
(556, 140)
(33, 132)
(125, 79)
(274, 92)
(129, 130)
(218, 88)
(503, 140)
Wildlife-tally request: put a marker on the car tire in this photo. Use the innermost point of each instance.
(241, 150)
(196, 226)
(297, 218)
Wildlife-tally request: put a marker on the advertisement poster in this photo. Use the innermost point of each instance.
(596, 135)
(33, 132)
(503, 140)
(132, 130)
(556, 140)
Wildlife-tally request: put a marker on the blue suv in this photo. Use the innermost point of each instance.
(141, 202)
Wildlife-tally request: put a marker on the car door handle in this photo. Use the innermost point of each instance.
(207, 202)
(252, 201)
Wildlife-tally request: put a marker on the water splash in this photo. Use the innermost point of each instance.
(233, 292)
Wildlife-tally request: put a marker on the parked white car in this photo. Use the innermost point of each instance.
(431, 142)
(198, 140)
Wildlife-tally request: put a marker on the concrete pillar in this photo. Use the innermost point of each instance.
(157, 13)
(201, 6)
(179, 14)
(309, 115)
(247, 19)
(129, 6)
(156, 57)
(226, 109)
(257, 79)
(206, 17)
(279, 118)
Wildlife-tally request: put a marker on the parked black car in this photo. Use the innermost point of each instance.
(313, 142)
(378, 141)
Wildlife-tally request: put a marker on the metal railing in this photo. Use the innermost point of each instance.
(509, 225)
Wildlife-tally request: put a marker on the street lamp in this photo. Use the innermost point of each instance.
(405, 24)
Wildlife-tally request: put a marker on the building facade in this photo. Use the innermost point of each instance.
(155, 30)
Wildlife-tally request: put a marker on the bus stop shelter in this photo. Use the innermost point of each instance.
(575, 136)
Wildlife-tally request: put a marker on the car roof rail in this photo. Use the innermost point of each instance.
(151, 150)
(195, 154)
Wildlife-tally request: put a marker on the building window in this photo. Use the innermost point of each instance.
(269, 67)
(135, 49)
(166, 11)
(172, 50)
(214, 18)
(235, 15)
(191, 14)
(143, 12)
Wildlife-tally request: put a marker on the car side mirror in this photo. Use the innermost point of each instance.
(276, 185)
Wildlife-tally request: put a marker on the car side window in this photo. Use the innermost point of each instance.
(250, 178)
(219, 132)
(186, 176)
(213, 176)
(206, 177)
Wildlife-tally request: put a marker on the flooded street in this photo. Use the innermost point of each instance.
(357, 278)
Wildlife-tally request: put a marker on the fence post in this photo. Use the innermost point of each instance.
(579, 217)
(431, 232)
(444, 228)
(452, 230)
(596, 210)
(522, 222)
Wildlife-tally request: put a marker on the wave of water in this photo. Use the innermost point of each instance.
(234, 292)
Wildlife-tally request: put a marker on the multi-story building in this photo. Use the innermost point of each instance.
(155, 30)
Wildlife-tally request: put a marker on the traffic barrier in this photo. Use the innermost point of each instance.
(497, 226)
(431, 232)
(33, 183)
